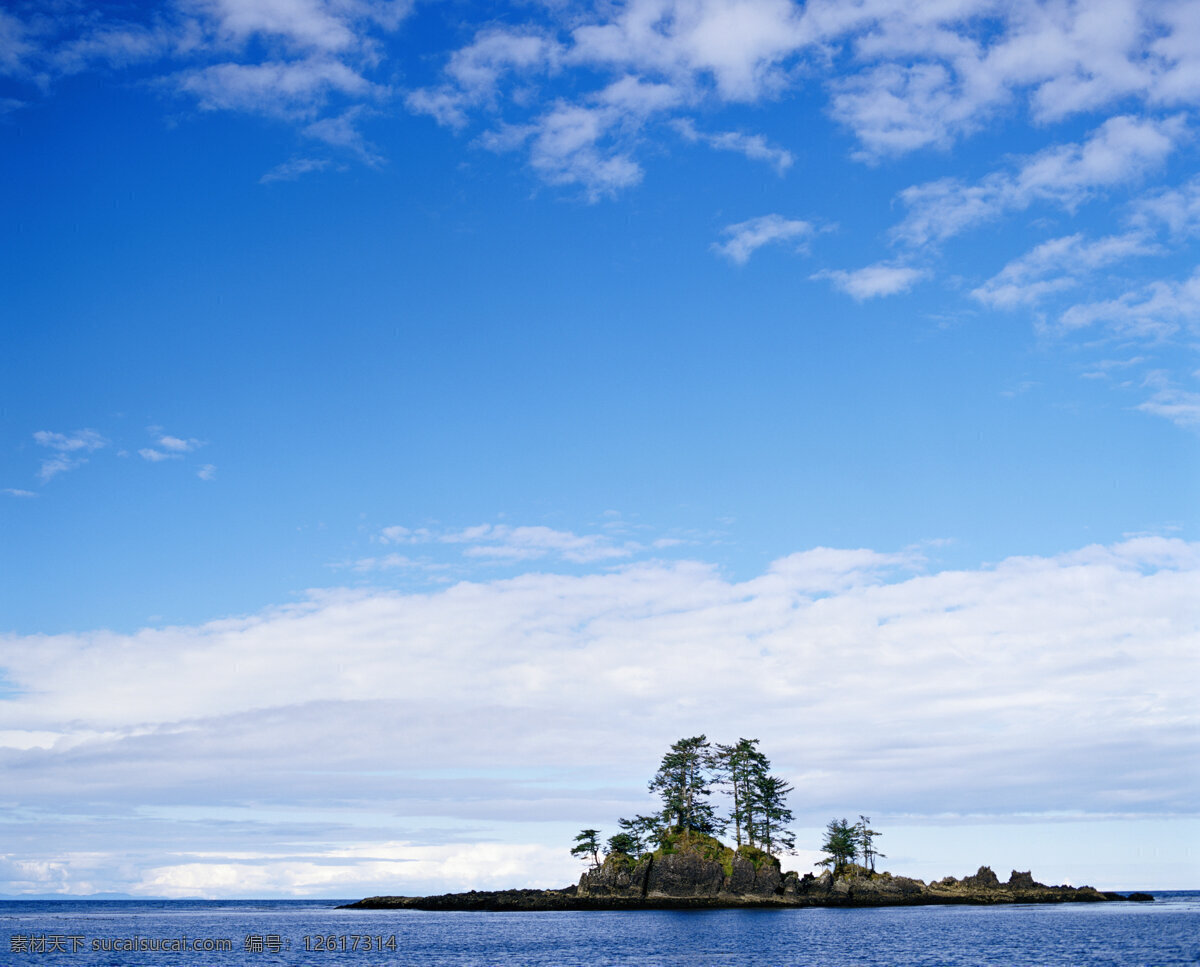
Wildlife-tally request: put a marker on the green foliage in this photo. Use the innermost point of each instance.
(679, 840)
(682, 783)
(587, 847)
(623, 844)
(756, 856)
(734, 767)
(759, 815)
(866, 841)
(644, 830)
(841, 843)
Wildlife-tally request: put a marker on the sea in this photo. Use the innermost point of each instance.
(258, 933)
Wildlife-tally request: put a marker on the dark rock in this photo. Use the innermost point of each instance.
(984, 879)
(620, 875)
(1022, 881)
(685, 874)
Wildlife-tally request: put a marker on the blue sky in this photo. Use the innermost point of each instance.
(556, 362)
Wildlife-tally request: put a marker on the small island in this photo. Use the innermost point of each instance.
(673, 860)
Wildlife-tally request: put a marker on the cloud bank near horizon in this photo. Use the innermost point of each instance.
(464, 729)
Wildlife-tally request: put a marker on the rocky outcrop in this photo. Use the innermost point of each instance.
(701, 872)
(695, 866)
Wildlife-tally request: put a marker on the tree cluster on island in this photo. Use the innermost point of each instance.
(755, 808)
(846, 842)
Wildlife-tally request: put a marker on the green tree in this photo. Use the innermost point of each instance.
(624, 843)
(866, 841)
(770, 794)
(682, 784)
(841, 843)
(587, 846)
(643, 830)
(734, 767)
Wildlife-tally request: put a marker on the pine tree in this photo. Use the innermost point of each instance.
(866, 841)
(645, 831)
(770, 794)
(841, 843)
(734, 768)
(586, 845)
(624, 843)
(683, 785)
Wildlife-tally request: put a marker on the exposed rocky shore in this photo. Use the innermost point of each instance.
(706, 874)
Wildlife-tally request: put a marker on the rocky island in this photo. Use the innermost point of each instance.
(671, 859)
(698, 872)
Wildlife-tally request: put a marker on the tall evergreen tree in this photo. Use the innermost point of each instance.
(841, 843)
(734, 767)
(866, 841)
(770, 794)
(683, 785)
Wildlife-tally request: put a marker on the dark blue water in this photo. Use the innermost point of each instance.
(262, 933)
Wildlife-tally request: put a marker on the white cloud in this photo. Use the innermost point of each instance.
(302, 24)
(385, 562)
(295, 168)
(167, 447)
(371, 868)
(114, 46)
(565, 690)
(342, 131)
(1120, 151)
(70, 449)
(753, 146)
(533, 542)
(1154, 310)
(474, 73)
(1177, 209)
(280, 58)
(745, 238)
(17, 492)
(289, 89)
(505, 542)
(16, 46)
(739, 44)
(1057, 264)
(207, 472)
(873, 281)
(900, 76)
(1172, 402)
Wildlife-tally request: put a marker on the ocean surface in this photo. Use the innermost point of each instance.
(258, 933)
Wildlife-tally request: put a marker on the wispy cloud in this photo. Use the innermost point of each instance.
(17, 492)
(295, 169)
(1172, 402)
(513, 543)
(1059, 264)
(294, 90)
(1154, 310)
(305, 61)
(1120, 151)
(70, 450)
(746, 238)
(753, 146)
(873, 281)
(167, 447)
